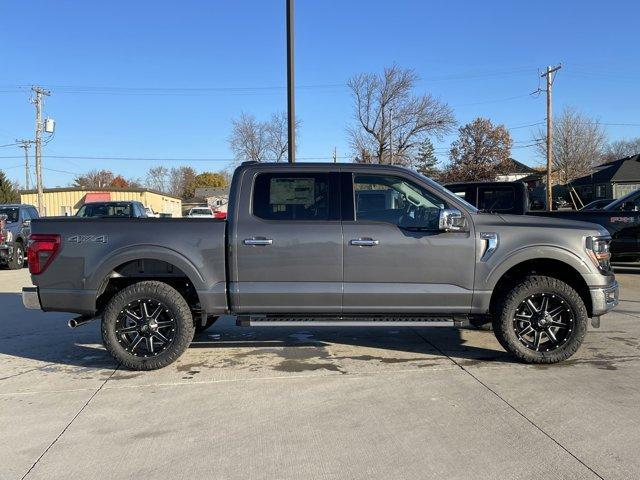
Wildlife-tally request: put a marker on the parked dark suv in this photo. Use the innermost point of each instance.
(112, 209)
(18, 227)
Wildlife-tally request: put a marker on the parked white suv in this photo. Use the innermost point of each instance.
(200, 212)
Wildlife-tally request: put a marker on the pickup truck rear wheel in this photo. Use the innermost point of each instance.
(541, 320)
(148, 325)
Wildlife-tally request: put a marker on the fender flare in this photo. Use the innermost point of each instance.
(140, 252)
(535, 252)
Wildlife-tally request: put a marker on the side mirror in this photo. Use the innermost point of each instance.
(451, 220)
(26, 223)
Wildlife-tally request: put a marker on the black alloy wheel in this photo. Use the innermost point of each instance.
(543, 322)
(540, 319)
(145, 327)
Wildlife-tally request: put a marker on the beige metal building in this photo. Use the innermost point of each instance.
(67, 201)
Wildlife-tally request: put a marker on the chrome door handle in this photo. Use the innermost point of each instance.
(258, 241)
(364, 242)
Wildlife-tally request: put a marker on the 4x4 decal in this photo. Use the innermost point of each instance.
(87, 239)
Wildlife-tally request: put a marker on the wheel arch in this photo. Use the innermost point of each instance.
(146, 263)
(551, 267)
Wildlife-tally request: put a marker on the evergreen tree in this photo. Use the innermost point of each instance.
(8, 191)
(426, 162)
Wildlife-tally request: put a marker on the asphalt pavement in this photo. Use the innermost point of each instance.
(316, 403)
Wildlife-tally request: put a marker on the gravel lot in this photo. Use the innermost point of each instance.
(294, 403)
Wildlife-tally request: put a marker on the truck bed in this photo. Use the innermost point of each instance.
(95, 250)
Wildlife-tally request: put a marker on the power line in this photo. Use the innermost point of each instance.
(160, 159)
(148, 90)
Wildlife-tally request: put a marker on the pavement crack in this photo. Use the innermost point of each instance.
(28, 371)
(511, 406)
(69, 424)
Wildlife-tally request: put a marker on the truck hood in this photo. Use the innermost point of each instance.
(530, 221)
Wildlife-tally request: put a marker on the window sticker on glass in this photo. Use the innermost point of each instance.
(292, 191)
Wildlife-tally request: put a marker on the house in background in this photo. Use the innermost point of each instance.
(610, 180)
(215, 197)
(519, 171)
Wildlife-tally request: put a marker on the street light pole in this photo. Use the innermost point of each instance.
(291, 101)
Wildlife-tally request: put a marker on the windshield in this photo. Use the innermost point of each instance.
(11, 213)
(201, 211)
(631, 198)
(104, 210)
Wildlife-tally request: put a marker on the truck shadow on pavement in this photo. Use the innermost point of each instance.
(45, 337)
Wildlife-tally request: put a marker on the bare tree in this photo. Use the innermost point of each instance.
(261, 141)
(621, 149)
(392, 122)
(578, 142)
(249, 139)
(481, 152)
(94, 179)
(158, 178)
(180, 179)
(278, 137)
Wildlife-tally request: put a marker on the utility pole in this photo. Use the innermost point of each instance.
(335, 155)
(291, 101)
(390, 136)
(550, 78)
(37, 101)
(26, 144)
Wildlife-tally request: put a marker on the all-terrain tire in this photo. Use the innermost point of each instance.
(211, 319)
(176, 307)
(505, 313)
(16, 262)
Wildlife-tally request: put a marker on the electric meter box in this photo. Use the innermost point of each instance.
(49, 125)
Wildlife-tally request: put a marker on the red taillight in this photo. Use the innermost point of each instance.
(42, 250)
(220, 215)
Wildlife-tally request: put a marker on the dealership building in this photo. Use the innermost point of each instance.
(67, 201)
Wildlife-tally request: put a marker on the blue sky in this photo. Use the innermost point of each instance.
(160, 79)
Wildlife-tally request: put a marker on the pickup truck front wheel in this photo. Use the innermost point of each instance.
(541, 320)
(16, 262)
(148, 325)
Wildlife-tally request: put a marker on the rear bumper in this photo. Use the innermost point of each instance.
(604, 299)
(30, 298)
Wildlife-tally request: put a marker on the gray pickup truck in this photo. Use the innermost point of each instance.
(326, 244)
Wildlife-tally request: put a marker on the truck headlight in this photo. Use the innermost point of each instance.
(598, 251)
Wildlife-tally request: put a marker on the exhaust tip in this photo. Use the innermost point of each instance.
(73, 323)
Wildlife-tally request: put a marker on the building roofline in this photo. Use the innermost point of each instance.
(91, 190)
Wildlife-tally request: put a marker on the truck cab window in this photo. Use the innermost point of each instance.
(390, 199)
(496, 199)
(291, 196)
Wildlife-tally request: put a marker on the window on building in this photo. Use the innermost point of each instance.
(601, 191)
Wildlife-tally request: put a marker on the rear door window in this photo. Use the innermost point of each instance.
(295, 196)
